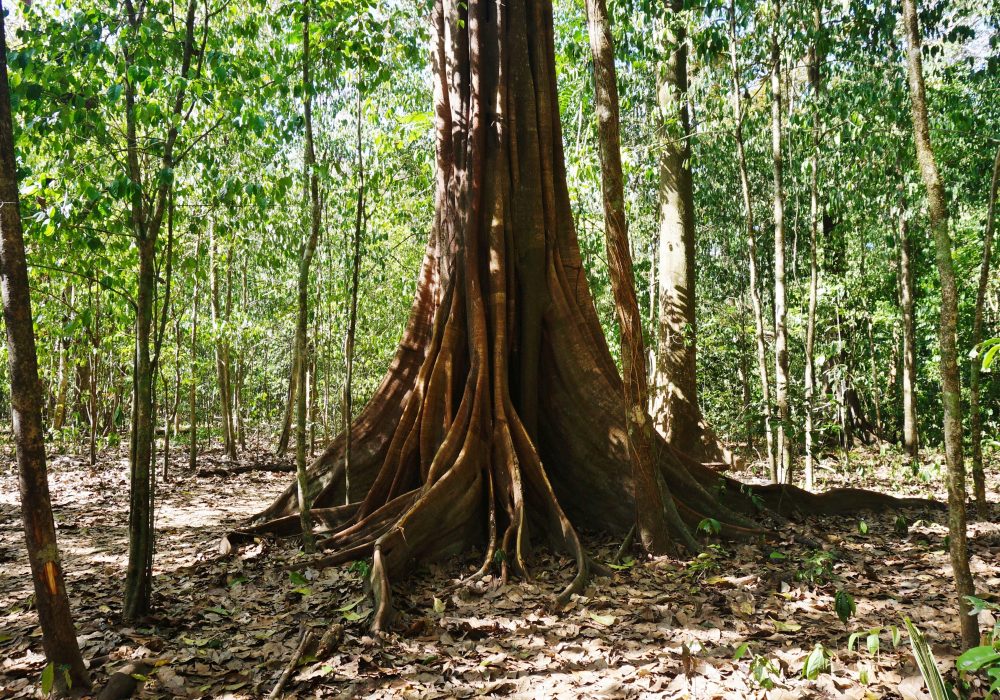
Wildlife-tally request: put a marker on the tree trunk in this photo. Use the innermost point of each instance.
(783, 452)
(815, 216)
(441, 458)
(911, 439)
(751, 237)
(352, 312)
(976, 419)
(311, 221)
(193, 365)
(51, 599)
(95, 343)
(675, 400)
(146, 223)
(951, 390)
(62, 374)
(658, 527)
(221, 331)
(290, 403)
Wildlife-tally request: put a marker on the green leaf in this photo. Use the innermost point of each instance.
(925, 662)
(873, 644)
(816, 663)
(844, 606)
(977, 657)
(741, 651)
(350, 606)
(48, 678)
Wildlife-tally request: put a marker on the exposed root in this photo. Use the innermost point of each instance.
(786, 499)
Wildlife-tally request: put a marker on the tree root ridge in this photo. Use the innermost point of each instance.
(501, 419)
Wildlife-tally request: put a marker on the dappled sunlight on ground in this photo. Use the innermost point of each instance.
(738, 621)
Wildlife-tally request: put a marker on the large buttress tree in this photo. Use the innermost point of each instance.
(501, 420)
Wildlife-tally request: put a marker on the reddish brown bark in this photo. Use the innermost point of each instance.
(657, 526)
(487, 429)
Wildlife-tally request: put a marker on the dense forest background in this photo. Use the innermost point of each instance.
(235, 210)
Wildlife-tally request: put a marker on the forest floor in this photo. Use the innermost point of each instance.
(738, 621)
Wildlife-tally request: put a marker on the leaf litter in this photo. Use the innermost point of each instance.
(768, 619)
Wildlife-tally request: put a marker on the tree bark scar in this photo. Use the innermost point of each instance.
(51, 577)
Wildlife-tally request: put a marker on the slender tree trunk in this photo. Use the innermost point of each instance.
(95, 342)
(751, 237)
(170, 414)
(146, 224)
(873, 369)
(193, 365)
(51, 599)
(657, 526)
(911, 438)
(352, 312)
(62, 374)
(976, 419)
(784, 458)
(815, 216)
(221, 350)
(675, 397)
(311, 222)
(951, 389)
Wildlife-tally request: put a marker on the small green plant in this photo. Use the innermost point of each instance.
(361, 567)
(901, 527)
(710, 526)
(844, 606)
(925, 662)
(624, 565)
(763, 672)
(873, 639)
(862, 527)
(300, 583)
(816, 567)
(706, 562)
(985, 657)
(817, 662)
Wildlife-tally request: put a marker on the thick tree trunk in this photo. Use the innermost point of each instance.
(975, 416)
(751, 237)
(675, 400)
(911, 438)
(441, 457)
(51, 599)
(951, 389)
(783, 447)
(658, 527)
